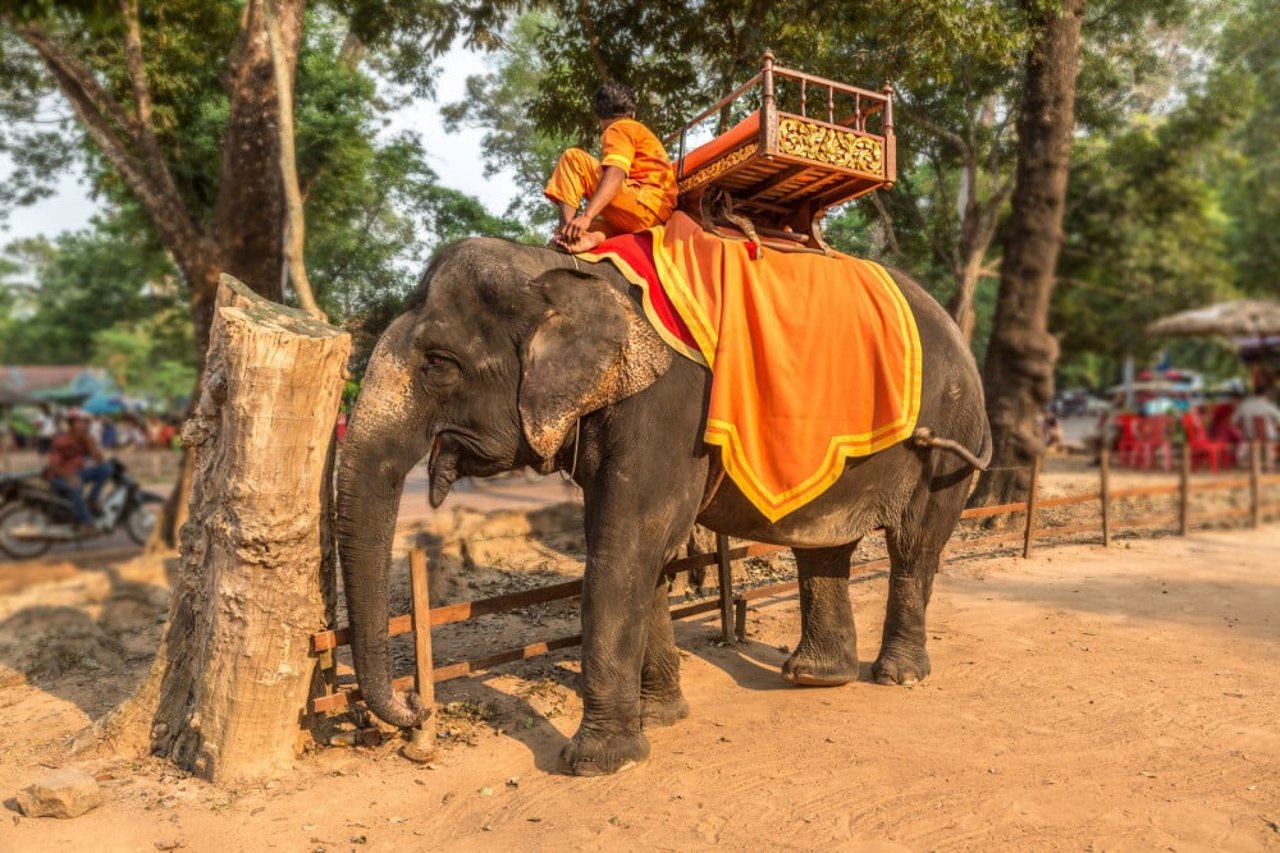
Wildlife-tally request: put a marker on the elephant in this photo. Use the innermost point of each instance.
(511, 356)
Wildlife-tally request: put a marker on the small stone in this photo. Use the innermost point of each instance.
(513, 782)
(175, 844)
(485, 792)
(65, 793)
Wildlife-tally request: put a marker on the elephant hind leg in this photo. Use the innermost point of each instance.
(828, 651)
(661, 701)
(915, 551)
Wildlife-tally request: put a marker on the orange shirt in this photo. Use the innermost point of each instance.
(632, 147)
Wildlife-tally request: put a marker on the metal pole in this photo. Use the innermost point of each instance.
(1031, 508)
(1184, 489)
(422, 744)
(1104, 465)
(726, 588)
(1255, 480)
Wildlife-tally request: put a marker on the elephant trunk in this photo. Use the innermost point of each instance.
(376, 459)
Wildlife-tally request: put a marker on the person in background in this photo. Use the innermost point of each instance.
(631, 188)
(1221, 427)
(75, 460)
(1258, 407)
(46, 429)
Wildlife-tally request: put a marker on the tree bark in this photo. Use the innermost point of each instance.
(1018, 375)
(295, 222)
(249, 216)
(233, 672)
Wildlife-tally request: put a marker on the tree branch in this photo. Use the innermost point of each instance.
(886, 222)
(936, 129)
(296, 222)
(593, 40)
(97, 111)
(145, 131)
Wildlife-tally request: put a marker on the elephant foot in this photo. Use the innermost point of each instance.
(658, 711)
(896, 666)
(821, 670)
(600, 755)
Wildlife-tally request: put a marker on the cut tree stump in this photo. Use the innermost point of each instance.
(227, 695)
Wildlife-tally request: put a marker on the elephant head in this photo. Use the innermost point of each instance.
(502, 349)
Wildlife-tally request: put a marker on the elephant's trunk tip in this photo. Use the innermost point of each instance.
(405, 710)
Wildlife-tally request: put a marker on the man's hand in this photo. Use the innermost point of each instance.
(573, 230)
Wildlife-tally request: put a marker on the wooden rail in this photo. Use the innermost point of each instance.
(732, 607)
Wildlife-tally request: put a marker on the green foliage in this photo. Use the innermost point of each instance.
(80, 283)
(1145, 237)
(149, 357)
(1248, 73)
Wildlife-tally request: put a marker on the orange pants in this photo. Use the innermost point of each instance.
(576, 177)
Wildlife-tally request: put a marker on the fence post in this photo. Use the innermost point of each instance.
(726, 588)
(422, 743)
(1184, 489)
(1255, 477)
(1031, 508)
(1104, 467)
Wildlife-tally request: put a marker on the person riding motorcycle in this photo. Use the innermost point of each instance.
(70, 469)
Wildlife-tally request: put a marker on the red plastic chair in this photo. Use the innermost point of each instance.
(1154, 434)
(1128, 441)
(1204, 450)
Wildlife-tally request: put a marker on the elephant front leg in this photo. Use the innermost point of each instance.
(827, 655)
(616, 597)
(662, 702)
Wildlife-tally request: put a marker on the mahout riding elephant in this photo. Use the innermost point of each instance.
(510, 356)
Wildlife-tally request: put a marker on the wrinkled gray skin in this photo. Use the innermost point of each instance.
(504, 348)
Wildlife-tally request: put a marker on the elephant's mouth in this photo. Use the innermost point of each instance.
(442, 467)
(453, 455)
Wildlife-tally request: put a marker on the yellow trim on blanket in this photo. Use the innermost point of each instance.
(724, 434)
(622, 266)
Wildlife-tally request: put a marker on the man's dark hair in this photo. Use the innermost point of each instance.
(614, 100)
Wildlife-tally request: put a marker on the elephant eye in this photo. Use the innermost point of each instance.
(434, 360)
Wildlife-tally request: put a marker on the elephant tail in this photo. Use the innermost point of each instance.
(924, 437)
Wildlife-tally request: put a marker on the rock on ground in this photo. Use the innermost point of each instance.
(65, 793)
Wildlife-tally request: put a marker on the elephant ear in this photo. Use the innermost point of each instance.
(592, 349)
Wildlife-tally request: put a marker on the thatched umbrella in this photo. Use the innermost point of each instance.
(1253, 324)
(1239, 318)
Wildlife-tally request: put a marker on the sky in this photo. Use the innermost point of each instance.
(454, 156)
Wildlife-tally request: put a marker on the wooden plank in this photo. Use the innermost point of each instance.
(987, 511)
(724, 571)
(1104, 466)
(423, 737)
(1255, 489)
(1031, 508)
(1184, 490)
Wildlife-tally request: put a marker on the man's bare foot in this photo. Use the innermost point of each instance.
(585, 243)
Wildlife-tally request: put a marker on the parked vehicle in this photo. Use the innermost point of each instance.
(33, 517)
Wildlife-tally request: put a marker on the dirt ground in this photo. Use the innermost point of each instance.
(1088, 698)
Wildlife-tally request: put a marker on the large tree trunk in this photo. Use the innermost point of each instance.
(1018, 373)
(250, 214)
(233, 672)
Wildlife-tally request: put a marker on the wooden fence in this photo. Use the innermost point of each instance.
(733, 607)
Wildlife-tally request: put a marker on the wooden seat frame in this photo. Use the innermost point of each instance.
(778, 186)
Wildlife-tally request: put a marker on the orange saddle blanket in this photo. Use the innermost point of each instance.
(813, 359)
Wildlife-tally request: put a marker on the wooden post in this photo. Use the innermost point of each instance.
(1104, 467)
(422, 744)
(740, 618)
(890, 144)
(768, 109)
(1184, 489)
(1031, 508)
(726, 588)
(1255, 481)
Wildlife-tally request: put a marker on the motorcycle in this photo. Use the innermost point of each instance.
(33, 517)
